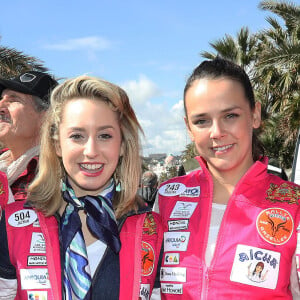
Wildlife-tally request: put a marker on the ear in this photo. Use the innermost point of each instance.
(186, 121)
(41, 119)
(58, 148)
(122, 149)
(257, 115)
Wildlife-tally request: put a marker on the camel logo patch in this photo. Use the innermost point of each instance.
(275, 225)
(148, 259)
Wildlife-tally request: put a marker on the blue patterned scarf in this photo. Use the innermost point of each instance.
(100, 221)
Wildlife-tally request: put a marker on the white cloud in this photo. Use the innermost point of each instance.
(141, 90)
(161, 121)
(90, 43)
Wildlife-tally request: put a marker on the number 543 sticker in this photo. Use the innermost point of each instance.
(22, 218)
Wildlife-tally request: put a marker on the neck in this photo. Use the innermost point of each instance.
(222, 190)
(224, 183)
(19, 150)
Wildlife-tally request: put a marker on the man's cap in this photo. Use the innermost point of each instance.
(31, 82)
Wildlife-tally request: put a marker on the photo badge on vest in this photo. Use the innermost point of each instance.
(255, 266)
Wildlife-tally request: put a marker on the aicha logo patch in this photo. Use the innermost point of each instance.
(275, 225)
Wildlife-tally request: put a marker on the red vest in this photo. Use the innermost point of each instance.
(141, 238)
(3, 190)
(256, 241)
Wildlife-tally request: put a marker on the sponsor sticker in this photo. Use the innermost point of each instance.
(144, 291)
(22, 218)
(171, 288)
(149, 226)
(176, 241)
(172, 189)
(171, 259)
(173, 274)
(36, 260)
(37, 295)
(174, 225)
(284, 192)
(148, 259)
(275, 225)
(183, 210)
(37, 244)
(2, 190)
(255, 266)
(191, 192)
(37, 278)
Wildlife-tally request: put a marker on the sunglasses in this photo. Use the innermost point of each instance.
(27, 77)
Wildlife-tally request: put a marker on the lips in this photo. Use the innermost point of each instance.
(91, 167)
(4, 117)
(222, 148)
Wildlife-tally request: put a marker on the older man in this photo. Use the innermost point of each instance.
(148, 189)
(24, 100)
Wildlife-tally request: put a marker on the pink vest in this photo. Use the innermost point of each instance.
(256, 242)
(3, 190)
(141, 238)
(29, 235)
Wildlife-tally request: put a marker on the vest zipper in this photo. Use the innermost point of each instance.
(206, 269)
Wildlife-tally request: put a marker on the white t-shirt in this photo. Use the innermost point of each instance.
(217, 214)
(95, 252)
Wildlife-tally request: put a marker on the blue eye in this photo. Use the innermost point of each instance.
(201, 122)
(232, 116)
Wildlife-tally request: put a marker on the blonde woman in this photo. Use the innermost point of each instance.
(80, 237)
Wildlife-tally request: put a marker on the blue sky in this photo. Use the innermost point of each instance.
(147, 47)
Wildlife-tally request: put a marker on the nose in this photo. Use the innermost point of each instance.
(90, 148)
(3, 105)
(3, 100)
(216, 130)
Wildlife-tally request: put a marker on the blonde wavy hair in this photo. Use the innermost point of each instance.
(45, 191)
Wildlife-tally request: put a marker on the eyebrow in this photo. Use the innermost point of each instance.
(98, 128)
(14, 95)
(222, 111)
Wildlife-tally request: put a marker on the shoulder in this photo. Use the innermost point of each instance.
(4, 189)
(15, 206)
(279, 190)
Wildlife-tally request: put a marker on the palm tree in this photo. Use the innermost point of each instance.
(241, 49)
(189, 152)
(276, 72)
(271, 57)
(14, 62)
(279, 52)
